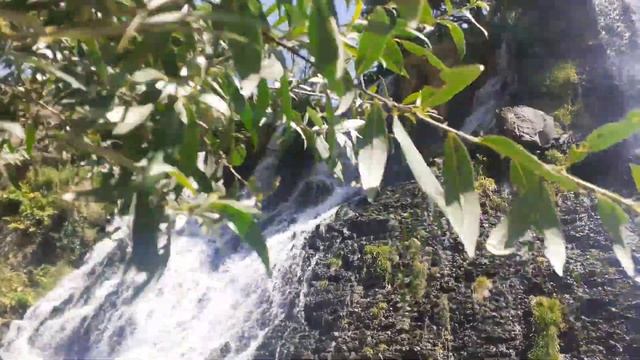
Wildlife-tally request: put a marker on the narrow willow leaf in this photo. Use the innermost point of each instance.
(216, 103)
(423, 174)
(54, 71)
(148, 74)
(392, 58)
(512, 229)
(357, 12)
(158, 168)
(549, 224)
(315, 117)
(518, 177)
(372, 156)
(13, 127)
(285, 98)
(30, 138)
(635, 173)
(132, 118)
(463, 203)
(263, 100)
(243, 222)
(345, 102)
(457, 35)
(324, 43)
(322, 147)
(508, 148)
(616, 222)
(190, 143)
(455, 80)
(247, 55)
(606, 136)
(373, 41)
(410, 10)
(449, 6)
(426, 15)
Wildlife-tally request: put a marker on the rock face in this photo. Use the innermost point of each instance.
(527, 126)
(384, 282)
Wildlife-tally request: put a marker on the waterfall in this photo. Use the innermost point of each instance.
(202, 305)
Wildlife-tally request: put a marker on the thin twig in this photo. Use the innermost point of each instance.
(290, 48)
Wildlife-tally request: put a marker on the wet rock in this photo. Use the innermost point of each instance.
(343, 316)
(527, 126)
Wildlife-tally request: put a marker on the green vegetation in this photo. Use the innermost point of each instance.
(379, 260)
(133, 100)
(488, 190)
(547, 320)
(555, 157)
(563, 80)
(335, 263)
(481, 288)
(378, 310)
(417, 271)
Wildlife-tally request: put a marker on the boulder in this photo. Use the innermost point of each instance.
(527, 126)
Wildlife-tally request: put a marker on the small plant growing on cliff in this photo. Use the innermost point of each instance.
(34, 210)
(481, 288)
(488, 190)
(335, 263)
(547, 323)
(563, 80)
(378, 310)
(379, 260)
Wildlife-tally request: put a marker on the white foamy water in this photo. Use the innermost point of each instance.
(194, 307)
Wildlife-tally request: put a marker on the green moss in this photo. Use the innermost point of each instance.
(488, 190)
(335, 263)
(15, 292)
(379, 260)
(27, 210)
(378, 310)
(323, 284)
(555, 157)
(562, 80)
(547, 320)
(367, 351)
(481, 288)
(567, 113)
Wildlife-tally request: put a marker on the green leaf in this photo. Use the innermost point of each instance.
(373, 41)
(507, 147)
(13, 127)
(449, 6)
(53, 71)
(324, 43)
(322, 147)
(190, 143)
(457, 35)
(147, 74)
(426, 15)
(285, 99)
(549, 225)
(131, 118)
(30, 138)
(512, 229)
(392, 58)
(247, 54)
(158, 168)
(635, 173)
(463, 203)
(216, 103)
(315, 117)
(455, 80)
(237, 156)
(372, 156)
(357, 12)
(262, 100)
(243, 221)
(422, 173)
(616, 222)
(606, 136)
(410, 10)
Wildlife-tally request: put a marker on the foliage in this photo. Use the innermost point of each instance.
(168, 101)
(379, 260)
(335, 263)
(34, 211)
(547, 320)
(562, 80)
(378, 310)
(481, 288)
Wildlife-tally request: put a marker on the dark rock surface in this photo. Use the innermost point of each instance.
(350, 305)
(527, 126)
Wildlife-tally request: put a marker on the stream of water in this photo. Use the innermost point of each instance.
(198, 305)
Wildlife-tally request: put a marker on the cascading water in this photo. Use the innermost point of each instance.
(198, 306)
